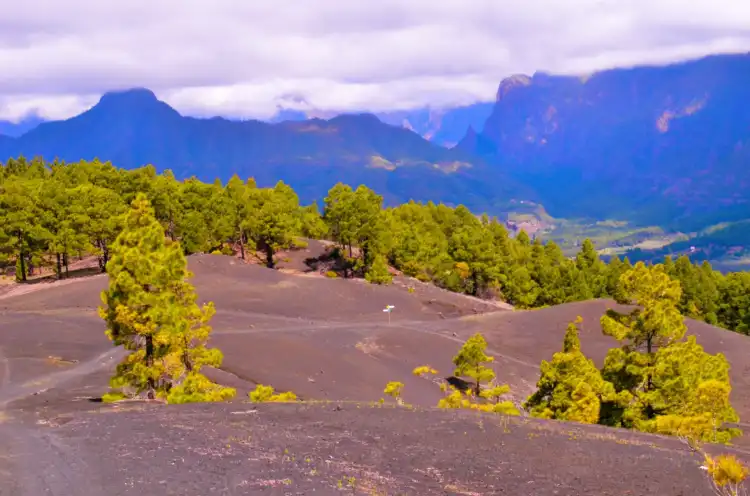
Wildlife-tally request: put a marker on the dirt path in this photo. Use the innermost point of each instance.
(13, 392)
(22, 289)
(431, 328)
(34, 461)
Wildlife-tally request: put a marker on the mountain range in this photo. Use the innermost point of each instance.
(132, 128)
(666, 145)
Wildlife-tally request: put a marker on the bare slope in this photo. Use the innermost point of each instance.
(332, 449)
(326, 340)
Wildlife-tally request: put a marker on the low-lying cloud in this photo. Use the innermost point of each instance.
(242, 58)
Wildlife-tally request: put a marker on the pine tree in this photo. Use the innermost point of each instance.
(100, 211)
(24, 234)
(238, 195)
(734, 302)
(657, 321)
(470, 362)
(570, 386)
(662, 382)
(150, 310)
(272, 220)
(690, 394)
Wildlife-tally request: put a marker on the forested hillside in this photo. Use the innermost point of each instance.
(51, 212)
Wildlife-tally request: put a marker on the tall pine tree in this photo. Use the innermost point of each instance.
(150, 310)
(663, 383)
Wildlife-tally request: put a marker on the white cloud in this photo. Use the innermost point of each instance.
(241, 58)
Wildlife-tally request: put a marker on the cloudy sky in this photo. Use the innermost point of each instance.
(244, 58)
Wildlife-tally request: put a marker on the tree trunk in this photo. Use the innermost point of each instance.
(59, 266)
(150, 363)
(30, 264)
(649, 384)
(104, 257)
(65, 263)
(242, 246)
(349, 271)
(269, 256)
(477, 389)
(105, 253)
(22, 259)
(186, 357)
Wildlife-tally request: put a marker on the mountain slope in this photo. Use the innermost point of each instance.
(133, 128)
(651, 144)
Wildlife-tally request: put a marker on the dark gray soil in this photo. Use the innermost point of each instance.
(330, 448)
(330, 342)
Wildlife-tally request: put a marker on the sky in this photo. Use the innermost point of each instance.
(247, 58)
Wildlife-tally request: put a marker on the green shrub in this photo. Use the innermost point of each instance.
(299, 244)
(378, 273)
(331, 274)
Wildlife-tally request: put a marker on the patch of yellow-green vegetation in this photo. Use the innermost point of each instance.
(484, 395)
(350, 482)
(570, 233)
(725, 473)
(456, 489)
(528, 211)
(662, 122)
(299, 243)
(393, 389)
(378, 162)
(451, 167)
(311, 127)
(113, 396)
(266, 394)
(522, 217)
